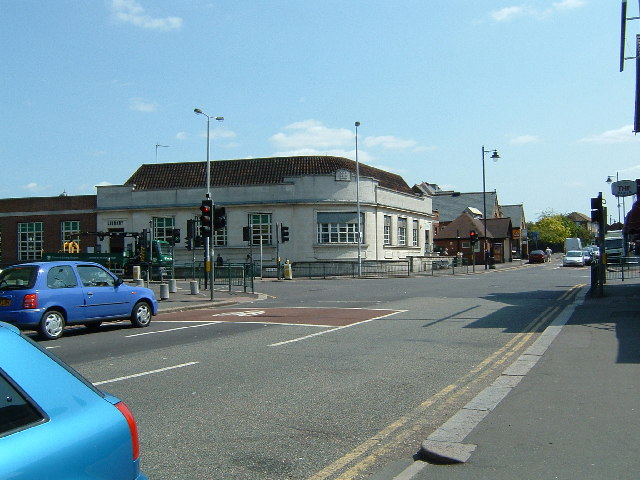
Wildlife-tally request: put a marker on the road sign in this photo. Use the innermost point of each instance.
(623, 188)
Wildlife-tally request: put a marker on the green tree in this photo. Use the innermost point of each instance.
(553, 228)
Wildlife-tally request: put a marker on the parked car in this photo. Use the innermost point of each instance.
(536, 256)
(46, 296)
(55, 424)
(573, 258)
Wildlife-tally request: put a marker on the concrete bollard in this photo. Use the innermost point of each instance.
(173, 285)
(164, 291)
(139, 282)
(136, 273)
(194, 287)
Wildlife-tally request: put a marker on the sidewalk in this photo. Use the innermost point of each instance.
(183, 299)
(574, 415)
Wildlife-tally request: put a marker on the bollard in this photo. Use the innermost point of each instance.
(173, 285)
(136, 273)
(194, 287)
(139, 282)
(164, 291)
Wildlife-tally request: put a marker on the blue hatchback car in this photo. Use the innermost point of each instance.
(54, 424)
(46, 296)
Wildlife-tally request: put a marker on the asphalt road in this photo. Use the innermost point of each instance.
(323, 379)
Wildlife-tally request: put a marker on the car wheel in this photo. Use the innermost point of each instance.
(51, 325)
(141, 314)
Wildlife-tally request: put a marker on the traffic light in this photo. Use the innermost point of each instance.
(473, 236)
(219, 218)
(206, 218)
(284, 233)
(175, 236)
(597, 209)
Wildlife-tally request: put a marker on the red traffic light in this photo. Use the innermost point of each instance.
(473, 236)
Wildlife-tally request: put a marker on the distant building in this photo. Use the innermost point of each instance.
(31, 226)
(315, 196)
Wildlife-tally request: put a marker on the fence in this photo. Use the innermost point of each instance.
(623, 268)
(231, 274)
(369, 268)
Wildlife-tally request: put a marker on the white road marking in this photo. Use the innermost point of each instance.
(150, 372)
(172, 329)
(334, 329)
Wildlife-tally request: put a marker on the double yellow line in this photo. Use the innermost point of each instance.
(404, 428)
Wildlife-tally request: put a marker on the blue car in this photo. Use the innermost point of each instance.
(54, 424)
(46, 296)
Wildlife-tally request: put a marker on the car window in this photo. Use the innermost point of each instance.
(61, 277)
(19, 277)
(16, 410)
(94, 276)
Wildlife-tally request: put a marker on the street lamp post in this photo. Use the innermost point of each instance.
(494, 157)
(208, 242)
(359, 238)
(609, 181)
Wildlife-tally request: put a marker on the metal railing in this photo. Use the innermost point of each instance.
(370, 268)
(623, 268)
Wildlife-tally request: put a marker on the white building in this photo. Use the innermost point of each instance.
(314, 196)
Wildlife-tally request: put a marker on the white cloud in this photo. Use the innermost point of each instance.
(510, 13)
(568, 4)
(140, 105)
(311, 134)
(182, 135)
(33, 187)
(389, 142)
(620, 135)
(523, 139)
(130, 11)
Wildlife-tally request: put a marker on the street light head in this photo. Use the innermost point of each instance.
(220, 119)
(495, 156)
(198, 111)
(357, 124)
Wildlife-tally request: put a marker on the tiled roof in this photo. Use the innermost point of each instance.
(460, 228)
(254, 171)
(452, 204)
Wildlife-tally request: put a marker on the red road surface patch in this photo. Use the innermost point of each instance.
(330, 317)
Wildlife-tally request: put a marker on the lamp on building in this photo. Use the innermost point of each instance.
(208, 247)
(494, 157)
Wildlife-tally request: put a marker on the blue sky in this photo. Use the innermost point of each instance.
(89, 88)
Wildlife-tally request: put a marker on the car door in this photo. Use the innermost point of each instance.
(103, 298)
(63, 289)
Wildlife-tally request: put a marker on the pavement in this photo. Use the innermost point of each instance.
(569, 408)
(183, 298)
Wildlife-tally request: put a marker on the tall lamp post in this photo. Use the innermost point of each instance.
(359, 238)
(208, 242)
(494, 157)
(609, 181)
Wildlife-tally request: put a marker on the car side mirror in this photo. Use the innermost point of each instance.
(119, 281)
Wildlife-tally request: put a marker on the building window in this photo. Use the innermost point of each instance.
(339, 227)
(402, 231)
(30, 243)
(260, 224)
(220, 237)
(416, 232)
(163, 228)
(387, 230)
(70, 231)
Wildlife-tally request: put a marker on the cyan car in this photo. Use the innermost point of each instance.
(54, 424)
(46, 296)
